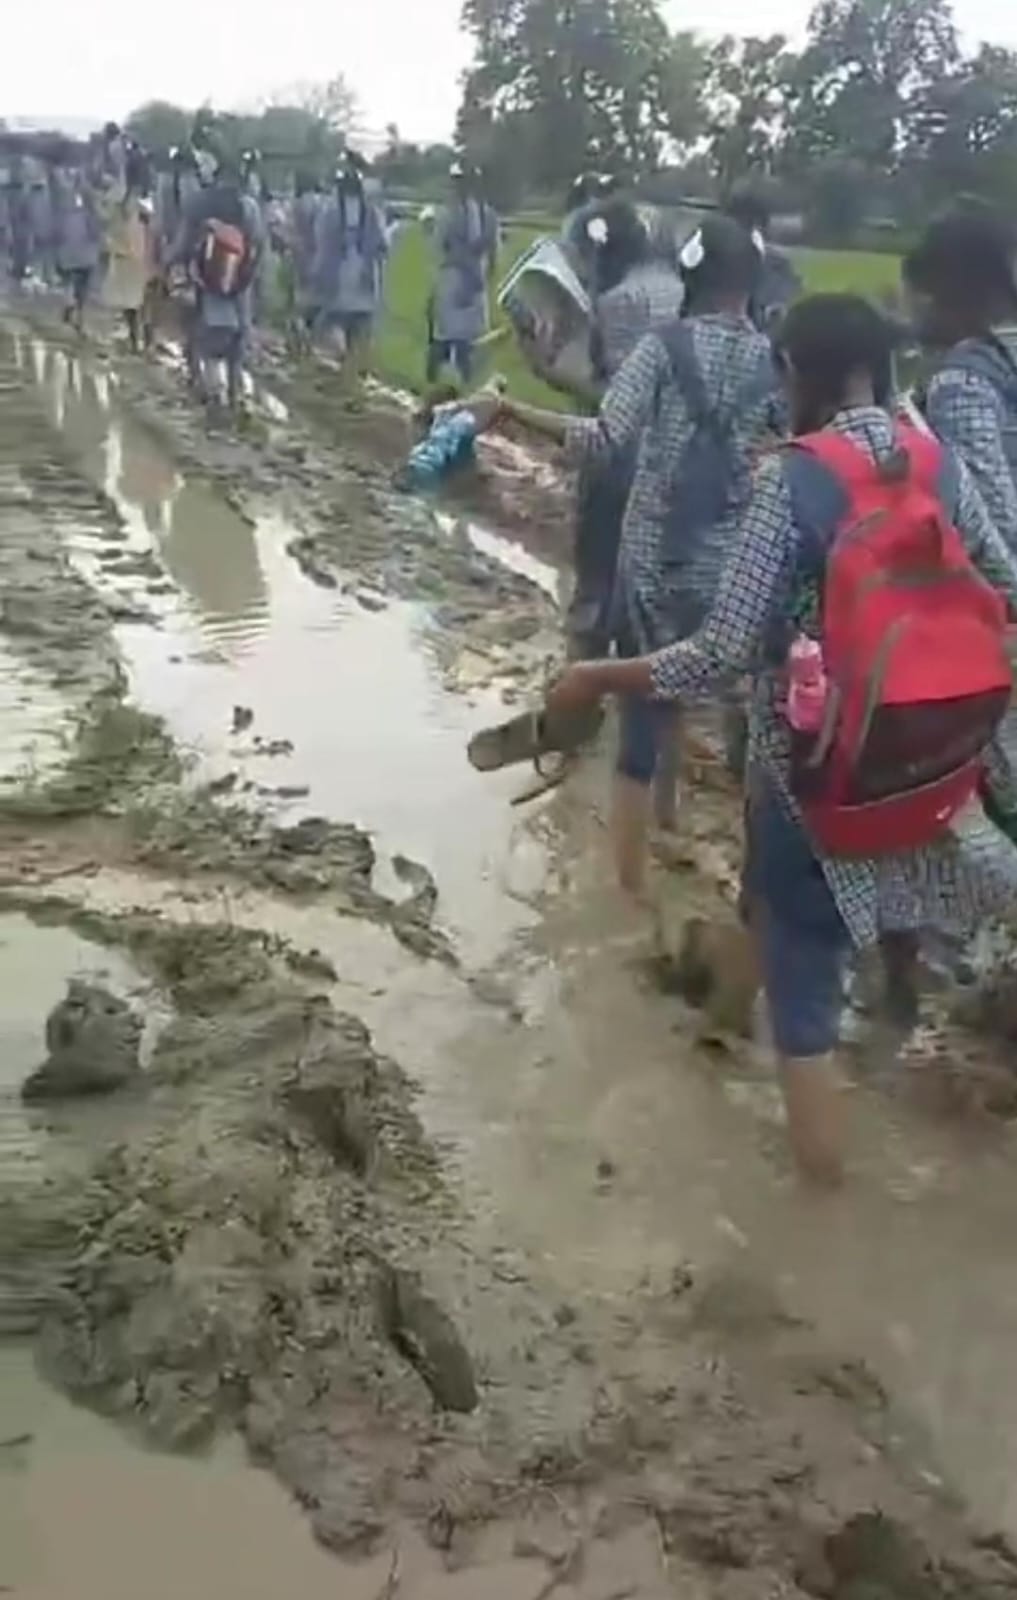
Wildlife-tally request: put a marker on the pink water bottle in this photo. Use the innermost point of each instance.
(806, 685)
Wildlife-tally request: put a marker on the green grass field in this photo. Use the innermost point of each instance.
(400, 350)
(862, 271)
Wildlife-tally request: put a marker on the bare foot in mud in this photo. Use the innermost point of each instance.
(815, 1100)
(669, 849)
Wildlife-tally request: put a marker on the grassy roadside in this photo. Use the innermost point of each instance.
(400, 347)
(400, 351)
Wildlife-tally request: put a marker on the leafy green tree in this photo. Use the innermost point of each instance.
(332, 102)
(746, 102)
(962, 133)
(838, 196)
(158, 126)
(598, 82)
(416, 169)
(866, 63)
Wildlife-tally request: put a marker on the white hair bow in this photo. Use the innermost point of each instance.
(693, 253)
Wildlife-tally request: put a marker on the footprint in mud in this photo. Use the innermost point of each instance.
(422, 1331)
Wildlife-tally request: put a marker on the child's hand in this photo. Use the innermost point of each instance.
(485, 407)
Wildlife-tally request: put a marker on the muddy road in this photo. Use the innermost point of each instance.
(397, 1173)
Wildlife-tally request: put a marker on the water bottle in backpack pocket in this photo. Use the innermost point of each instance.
(806, 708)
(913, 648)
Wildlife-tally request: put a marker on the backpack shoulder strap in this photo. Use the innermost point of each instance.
(819, 497)
(820, 503)
(760, 383)
(679, 342)
(845, 461)
(924, 452)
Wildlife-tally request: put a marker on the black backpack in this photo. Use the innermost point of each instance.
(711, 479)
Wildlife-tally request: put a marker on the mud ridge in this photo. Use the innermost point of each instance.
(272, 1246)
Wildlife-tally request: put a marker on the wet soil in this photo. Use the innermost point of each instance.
(424, 1191)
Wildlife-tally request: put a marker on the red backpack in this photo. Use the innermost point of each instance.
(224, 258)
(914, 646)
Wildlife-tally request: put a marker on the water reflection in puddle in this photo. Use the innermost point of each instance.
(377, 739)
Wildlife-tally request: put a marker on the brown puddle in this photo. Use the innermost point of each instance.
(86, 1515)
(377, 738)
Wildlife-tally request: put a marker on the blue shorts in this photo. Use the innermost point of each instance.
(802, 941)
(644, 722)
(642, 725)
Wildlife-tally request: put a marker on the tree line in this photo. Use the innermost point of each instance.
(879, 115)
(302, 128)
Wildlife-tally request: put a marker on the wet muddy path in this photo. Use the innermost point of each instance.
(423, 1186)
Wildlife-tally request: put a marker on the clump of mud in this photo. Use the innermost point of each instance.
(186, 832)
(991, 1008)
(711, 964)
(273, 1247)
(114, 750)
(94, 1042)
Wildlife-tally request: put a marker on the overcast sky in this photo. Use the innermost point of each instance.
(99, 58)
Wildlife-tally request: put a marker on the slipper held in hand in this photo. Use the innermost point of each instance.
(531, 735)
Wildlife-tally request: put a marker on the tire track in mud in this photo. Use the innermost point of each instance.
(271, 1242)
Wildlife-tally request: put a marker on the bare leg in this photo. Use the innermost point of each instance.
(149, 316)
(814, 1101)
(81, 289)
(667, 776)
(901, 969)
(631, 815)
(195, 366)
(356, 362)
(361, 352)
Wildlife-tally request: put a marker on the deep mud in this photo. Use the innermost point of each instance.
(274, 1246)
(528, 1310)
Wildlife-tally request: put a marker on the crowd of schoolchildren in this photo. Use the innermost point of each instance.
(203, 228)
(764, 520)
